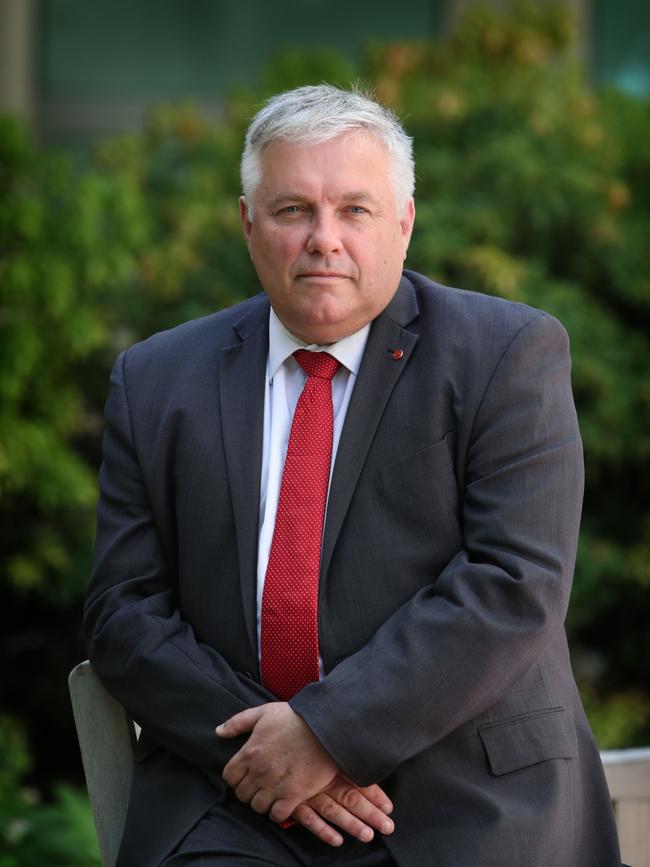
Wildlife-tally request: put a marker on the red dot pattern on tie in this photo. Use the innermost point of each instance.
(290, 598)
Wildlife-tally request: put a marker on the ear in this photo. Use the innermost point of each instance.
(406, 223)
(246, 220)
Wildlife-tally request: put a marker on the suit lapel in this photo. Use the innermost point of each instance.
(241, 386)
(378, 374)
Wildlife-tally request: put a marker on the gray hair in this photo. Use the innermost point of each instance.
(317, 113)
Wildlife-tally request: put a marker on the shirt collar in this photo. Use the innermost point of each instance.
(283, 343)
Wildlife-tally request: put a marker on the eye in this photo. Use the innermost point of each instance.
(357, 209)
(291, 209)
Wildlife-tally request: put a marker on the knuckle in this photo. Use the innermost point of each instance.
(284, 787)
(330, 810)
(351, 799)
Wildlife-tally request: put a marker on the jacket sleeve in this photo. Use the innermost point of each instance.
(455, 648)
(177, 688)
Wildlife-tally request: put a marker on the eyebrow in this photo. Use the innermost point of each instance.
(352, 196)
(286, 197)
(359, 196)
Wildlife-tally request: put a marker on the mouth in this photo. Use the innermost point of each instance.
(322, 275)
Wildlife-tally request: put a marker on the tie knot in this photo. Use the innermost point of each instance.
(319, 364)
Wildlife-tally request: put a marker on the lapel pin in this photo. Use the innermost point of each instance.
(396, 354)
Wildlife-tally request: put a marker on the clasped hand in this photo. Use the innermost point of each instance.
(283, 770)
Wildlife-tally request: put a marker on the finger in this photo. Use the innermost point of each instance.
(282, 809)
(240, 723)
(247, 790)
(247, 767)
(356, 803)
(375, 794)
(235, 771)
(309, 819)
(261, 802)
(333, 813)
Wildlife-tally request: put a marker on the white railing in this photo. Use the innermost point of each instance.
(628, 778)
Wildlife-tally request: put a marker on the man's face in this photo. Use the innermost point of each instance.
(326, 239)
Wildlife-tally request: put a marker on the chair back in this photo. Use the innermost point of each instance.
(106, 742)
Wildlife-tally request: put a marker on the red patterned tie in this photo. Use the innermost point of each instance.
(290, 599)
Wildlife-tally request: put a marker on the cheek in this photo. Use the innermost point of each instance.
(280, 247)
(380, 257)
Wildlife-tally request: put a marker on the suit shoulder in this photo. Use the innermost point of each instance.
(206, 334)
(471, 310)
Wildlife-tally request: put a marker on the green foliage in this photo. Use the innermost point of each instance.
(530, 186)
(182, 175)
(14, 754)
(50, 324)
(58, 834)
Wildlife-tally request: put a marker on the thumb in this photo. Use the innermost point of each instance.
(240, 723)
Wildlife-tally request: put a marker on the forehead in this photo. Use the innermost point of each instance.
(353, 160)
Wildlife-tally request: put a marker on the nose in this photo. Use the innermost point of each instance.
(323, 235)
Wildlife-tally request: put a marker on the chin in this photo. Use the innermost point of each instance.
(324, 334)
(327, 325)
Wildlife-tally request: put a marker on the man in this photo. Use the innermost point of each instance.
(338, 523)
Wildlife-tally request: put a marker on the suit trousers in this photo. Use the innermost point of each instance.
(233, 834)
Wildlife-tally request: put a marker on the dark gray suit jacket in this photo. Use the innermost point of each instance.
(447, 561)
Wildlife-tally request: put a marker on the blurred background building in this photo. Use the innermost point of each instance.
(80, 70)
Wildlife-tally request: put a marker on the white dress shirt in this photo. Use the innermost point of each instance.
(285, 380)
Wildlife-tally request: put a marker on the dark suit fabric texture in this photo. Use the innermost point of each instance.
(446, 567)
